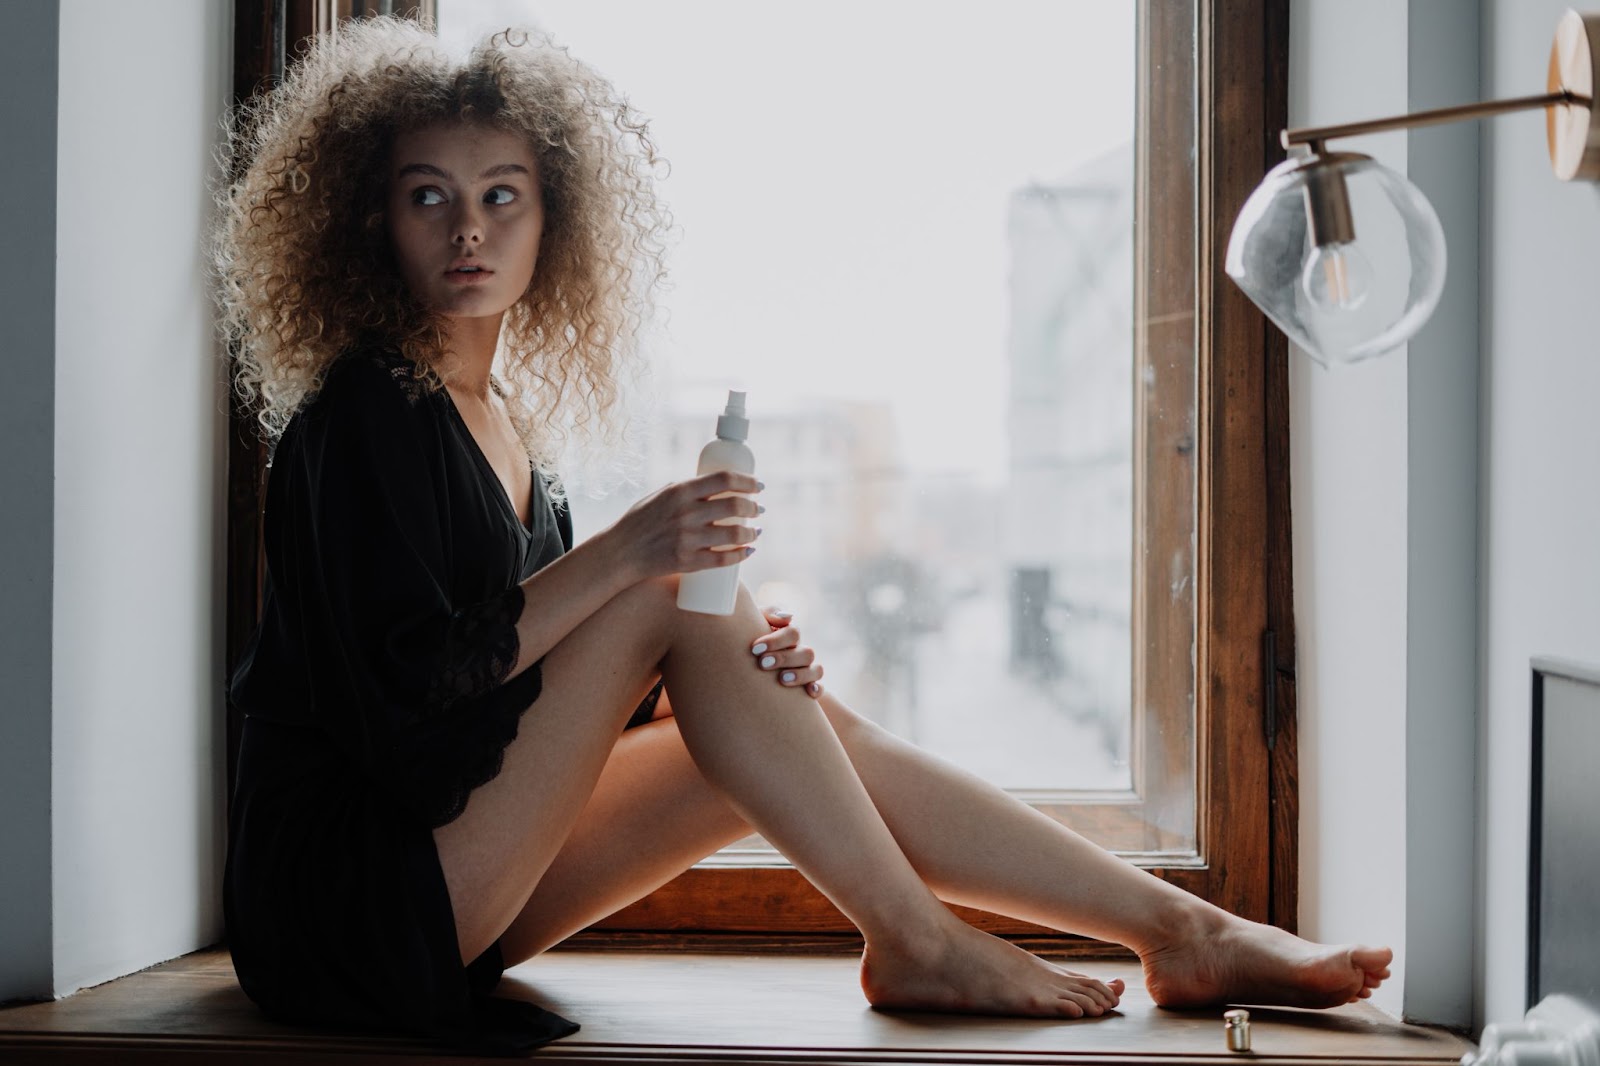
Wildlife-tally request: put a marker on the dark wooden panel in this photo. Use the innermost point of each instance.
(1284, 756)
(258, 60)
(711, 900)
(1167, 317)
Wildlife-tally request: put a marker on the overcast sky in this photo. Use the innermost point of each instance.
(840, 172)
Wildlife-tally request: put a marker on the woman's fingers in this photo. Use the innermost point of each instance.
(671, 529)
(781, 652)
(796, 668)
(727, 508)
(707, 485)
(718, 536)
(778, 640)
(781, 659)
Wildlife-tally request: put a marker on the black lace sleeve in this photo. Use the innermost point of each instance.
(480, 648)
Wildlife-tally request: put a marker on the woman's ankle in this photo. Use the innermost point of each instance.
(921, 937)
(1181, 922)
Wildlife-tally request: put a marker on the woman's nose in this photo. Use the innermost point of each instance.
(468, 228)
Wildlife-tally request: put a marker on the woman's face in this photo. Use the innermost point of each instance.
(465, 216)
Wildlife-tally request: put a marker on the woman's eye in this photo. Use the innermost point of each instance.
(499, 195)
(427, 196)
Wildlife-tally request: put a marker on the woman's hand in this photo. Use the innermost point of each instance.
(781, 652)
(674, 530)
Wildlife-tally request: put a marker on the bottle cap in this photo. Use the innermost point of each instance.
(1236, 1024)
(732, 424)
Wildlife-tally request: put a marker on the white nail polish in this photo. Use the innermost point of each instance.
(769, 661)
(758, 649)
(788, 676)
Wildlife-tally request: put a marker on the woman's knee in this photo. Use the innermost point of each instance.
(651, 606)
(851, 727)
(647, 606)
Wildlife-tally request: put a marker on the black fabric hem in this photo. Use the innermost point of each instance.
(485, 744)
(481, 647)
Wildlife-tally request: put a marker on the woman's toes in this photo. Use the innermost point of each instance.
(1070, 1007)
(1372, 959)
(1095, 996)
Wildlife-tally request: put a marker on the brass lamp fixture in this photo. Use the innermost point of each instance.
(1295, 249)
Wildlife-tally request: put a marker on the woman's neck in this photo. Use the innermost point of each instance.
(470, 346)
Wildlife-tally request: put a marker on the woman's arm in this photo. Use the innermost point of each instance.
(673, 530)
(570, 589)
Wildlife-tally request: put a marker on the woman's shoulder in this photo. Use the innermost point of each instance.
(367, 395)
(368, 371)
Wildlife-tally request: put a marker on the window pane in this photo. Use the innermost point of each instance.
(911, 238)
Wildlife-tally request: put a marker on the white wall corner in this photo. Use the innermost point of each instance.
(1350, 486)
(1443, 68)
(136, 714)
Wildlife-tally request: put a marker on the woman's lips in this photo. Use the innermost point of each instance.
(468, 277)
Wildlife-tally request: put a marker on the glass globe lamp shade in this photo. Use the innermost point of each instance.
(1345, 255)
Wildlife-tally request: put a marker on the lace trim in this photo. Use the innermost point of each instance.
(480, 648)
(647, 708)
(480, 751)
(404, 374)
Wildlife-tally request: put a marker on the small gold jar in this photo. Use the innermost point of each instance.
(1236, 1024)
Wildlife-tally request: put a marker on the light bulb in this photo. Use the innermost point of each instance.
(1294, 252)
(1337, 277)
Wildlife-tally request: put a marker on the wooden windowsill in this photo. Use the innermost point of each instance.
(679, 1008)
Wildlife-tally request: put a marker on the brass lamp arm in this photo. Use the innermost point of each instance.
(1316, 135)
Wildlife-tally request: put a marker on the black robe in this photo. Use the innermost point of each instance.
(376, 698)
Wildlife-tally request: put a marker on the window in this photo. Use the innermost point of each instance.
(1187, 784)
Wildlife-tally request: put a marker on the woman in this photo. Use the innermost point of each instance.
(437, 778)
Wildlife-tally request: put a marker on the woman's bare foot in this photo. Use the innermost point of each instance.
(1230, 960)
(961, 970)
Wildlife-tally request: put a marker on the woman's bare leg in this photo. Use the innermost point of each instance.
(976, 845)
(972, 843)
(775, 757)
(652, 816)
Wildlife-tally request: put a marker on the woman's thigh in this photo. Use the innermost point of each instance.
(651, 816)
(513, 826)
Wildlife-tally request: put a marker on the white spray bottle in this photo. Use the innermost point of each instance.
(714, 591)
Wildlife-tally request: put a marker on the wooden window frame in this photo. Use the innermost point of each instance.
(1242, 739)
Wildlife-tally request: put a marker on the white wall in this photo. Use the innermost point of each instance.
(1541, 453)
(140, 476)
(1463, 471)
(1349, 486)
(133, 636)
(1443, 68)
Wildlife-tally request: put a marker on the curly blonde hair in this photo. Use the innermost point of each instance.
(302, 254)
